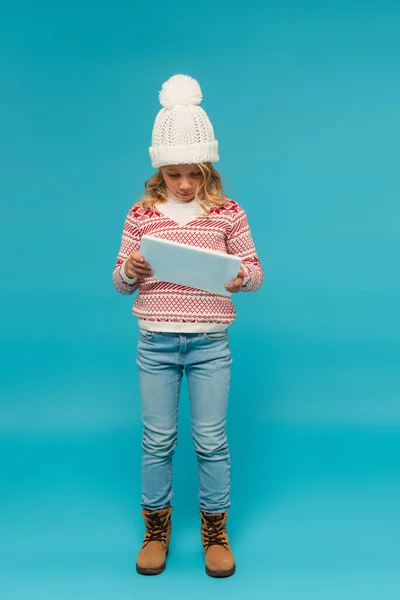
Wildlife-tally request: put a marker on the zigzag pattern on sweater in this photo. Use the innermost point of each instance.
(226, 229)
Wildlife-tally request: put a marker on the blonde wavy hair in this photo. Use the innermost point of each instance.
(210, 189)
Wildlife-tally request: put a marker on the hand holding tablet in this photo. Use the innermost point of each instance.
(200, 268)
(236, 286)
(136, 266)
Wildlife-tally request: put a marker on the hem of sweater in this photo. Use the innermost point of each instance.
(181, 327)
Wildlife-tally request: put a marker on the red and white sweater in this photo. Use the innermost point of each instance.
(162, 306)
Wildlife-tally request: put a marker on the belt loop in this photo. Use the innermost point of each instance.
(183, 344)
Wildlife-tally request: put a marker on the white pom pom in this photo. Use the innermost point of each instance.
(180, 89)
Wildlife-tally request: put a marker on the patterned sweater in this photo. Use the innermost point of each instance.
(162, 306)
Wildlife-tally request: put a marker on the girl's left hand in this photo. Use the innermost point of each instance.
(236, 286)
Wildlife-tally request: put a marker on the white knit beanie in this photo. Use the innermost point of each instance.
(182, 132)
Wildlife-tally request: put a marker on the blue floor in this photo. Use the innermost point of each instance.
(72, 528)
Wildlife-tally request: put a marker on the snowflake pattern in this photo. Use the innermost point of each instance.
(226, 230)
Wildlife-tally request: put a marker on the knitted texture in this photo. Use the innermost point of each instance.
(226, 230)
(182, 132)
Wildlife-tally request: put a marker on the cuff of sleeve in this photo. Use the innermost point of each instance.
(130, 280)
(246, 279)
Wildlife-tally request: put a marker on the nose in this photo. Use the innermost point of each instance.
(185, 186)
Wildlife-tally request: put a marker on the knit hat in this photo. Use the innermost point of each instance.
(182, 132)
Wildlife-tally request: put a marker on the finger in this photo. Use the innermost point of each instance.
(238, 281)
(230, 287)
(140, 269)
(140, 264)
(137, 257)
(145, 272)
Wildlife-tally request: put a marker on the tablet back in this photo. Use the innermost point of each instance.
(190, 266)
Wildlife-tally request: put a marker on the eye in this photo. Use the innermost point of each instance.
(173, 174)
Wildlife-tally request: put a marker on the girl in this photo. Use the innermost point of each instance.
(184, 329)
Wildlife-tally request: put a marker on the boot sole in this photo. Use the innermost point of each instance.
(221, 573)
(144, 571)
(150, 571)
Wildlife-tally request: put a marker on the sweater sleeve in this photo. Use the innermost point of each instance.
(130, 243)
(240, 242)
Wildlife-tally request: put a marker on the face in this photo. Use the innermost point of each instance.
(182, 180)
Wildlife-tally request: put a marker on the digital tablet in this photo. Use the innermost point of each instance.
(199, 268)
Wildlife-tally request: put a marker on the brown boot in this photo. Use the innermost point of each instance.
(218, 553)
(154, 550)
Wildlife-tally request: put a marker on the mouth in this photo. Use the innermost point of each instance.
(185, 195)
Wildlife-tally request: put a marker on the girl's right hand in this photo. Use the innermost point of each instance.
(136, 266)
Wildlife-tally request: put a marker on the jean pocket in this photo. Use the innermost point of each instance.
(214, 336)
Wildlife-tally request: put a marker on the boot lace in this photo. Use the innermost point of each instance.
(156, 529)
(214, 531)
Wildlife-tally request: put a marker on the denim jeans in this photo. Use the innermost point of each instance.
(206, 359)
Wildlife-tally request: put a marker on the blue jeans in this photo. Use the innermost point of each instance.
(206, 359)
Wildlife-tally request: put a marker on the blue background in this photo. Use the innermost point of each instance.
(304, 98)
